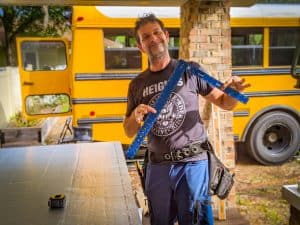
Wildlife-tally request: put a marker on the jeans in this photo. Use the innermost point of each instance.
(179, 192)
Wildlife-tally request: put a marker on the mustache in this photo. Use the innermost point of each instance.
(156, 43)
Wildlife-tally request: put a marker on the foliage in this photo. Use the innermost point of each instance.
(32, 21)
(47, 104)
(18, 120)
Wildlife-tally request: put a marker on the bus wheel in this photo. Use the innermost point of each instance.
(274, 138)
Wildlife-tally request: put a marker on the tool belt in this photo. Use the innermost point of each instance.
(221, 179)
(180, 154)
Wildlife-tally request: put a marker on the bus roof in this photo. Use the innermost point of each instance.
(266, 10)
(255, 11)
(134, 12)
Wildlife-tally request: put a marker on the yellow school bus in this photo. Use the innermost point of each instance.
(89, 79)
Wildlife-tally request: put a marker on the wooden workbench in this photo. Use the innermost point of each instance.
(93, 176)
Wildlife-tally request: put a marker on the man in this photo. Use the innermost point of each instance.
(177, 188)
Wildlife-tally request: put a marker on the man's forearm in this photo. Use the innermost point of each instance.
(131, 127)
(221, 99)
(228, 103)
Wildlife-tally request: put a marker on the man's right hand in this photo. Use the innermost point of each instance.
(140, 111)
(133, 123)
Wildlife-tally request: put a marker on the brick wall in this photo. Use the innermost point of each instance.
(206, 38)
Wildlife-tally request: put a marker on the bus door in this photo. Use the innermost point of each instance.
(44, 76)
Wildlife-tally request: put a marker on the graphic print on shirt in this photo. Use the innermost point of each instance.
(171, 116)
(158, 87)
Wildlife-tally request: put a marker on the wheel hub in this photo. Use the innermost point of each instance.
(272, 137)
(277, 137)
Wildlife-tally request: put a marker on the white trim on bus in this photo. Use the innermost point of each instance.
(135, 12)
(255, 11)
(266, 10)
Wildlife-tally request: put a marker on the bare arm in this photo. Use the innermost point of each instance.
(223, 100)
(133, 122)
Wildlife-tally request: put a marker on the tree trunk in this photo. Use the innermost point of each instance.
(46, 16)
(6, 44)
(12, 53)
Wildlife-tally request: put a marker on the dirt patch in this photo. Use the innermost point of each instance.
(258, 190)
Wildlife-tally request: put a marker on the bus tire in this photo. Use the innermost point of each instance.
(274, 138)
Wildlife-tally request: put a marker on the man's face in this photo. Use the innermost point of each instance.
(153, 40)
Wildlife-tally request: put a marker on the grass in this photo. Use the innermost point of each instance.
(259, 210)
(258, 194)
(18, 120)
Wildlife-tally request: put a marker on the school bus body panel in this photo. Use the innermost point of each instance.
(88, 51)
(99, 88)
(265, 91)
(110, 131)
(270, 82)
(100, 109)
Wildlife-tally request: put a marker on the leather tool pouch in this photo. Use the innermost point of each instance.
(220, 178)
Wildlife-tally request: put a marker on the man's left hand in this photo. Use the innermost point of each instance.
(236, 83)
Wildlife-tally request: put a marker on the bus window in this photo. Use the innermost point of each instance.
(173, 47)
(121, 51)
(283, 43)
(173, 42)
(47, 104)
(247, 46)
(43, 55)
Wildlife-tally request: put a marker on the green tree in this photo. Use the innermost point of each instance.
(38, 21)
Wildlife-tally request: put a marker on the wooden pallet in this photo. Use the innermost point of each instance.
(20, 136)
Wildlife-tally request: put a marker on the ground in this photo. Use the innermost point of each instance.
(258, 190)
(257, 187)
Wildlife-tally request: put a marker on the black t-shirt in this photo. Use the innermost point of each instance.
(179, 122)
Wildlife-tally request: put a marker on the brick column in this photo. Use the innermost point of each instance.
(206, 38)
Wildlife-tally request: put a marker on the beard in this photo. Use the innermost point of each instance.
(157, 51)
